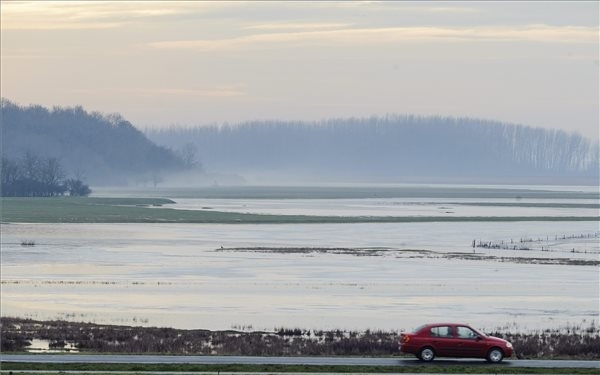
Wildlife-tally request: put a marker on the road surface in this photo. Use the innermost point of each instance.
(356, 361)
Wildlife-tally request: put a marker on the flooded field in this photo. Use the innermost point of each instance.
(322, 276)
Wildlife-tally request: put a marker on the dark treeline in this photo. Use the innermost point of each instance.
(33, 176)
(103, 148)
(394, 148)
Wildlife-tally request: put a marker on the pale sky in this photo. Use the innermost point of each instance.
(197, 63)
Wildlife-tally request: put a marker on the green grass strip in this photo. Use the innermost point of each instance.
(18, 367)
(139, 210)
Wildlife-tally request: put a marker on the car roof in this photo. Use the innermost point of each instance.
(445, 324)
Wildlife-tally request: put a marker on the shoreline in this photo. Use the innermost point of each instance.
(579, 341)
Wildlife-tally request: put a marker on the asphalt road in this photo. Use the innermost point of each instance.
(357, 361)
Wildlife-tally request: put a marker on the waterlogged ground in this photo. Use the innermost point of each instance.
(323, 276)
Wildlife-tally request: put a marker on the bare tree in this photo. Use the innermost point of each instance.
(188, 153)
(51, 171)
(36, 177)
(77, 188)
(10, 173)
(31, 166)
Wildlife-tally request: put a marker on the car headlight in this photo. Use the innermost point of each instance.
(508, 345)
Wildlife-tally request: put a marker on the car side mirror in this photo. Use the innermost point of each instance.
(478, 338)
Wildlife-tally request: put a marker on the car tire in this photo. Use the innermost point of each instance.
(427, 354)
(495, 355)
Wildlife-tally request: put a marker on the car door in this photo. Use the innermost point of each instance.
(442, 339)
(468, 343)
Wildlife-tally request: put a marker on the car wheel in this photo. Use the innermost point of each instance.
(495, 355)
(427, 354)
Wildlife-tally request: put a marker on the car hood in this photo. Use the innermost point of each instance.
(496, 339)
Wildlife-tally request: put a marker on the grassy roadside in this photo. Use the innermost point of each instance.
(152, 210)
(23, 368)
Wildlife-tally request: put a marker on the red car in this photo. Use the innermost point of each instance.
(453, 340)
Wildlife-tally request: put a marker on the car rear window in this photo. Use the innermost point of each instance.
(441, 331)
(416, 330)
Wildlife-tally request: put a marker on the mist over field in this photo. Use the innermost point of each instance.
(388, 149)
(108, 150)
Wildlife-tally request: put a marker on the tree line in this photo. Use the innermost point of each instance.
(392, 148)
(34, 176)
(107, 148)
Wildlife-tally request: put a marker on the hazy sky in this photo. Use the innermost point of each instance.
(193, 63)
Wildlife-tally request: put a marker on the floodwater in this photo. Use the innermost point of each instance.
(321, 276)
(436, 207)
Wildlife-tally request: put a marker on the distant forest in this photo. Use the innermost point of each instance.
(100, 149)
(394, 148)
(105, 149)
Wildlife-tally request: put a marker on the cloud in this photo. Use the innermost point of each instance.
(452, 9)
(75, 15)
(531, 33)
(297, 26)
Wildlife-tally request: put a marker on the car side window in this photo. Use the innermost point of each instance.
(441, 331)
(465, 333)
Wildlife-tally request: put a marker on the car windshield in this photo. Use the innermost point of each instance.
(478, 332)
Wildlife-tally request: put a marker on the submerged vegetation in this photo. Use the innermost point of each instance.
(542, 244)
(576, 342)
(410, 253)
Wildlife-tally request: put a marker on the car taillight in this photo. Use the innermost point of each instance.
(405, 339)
